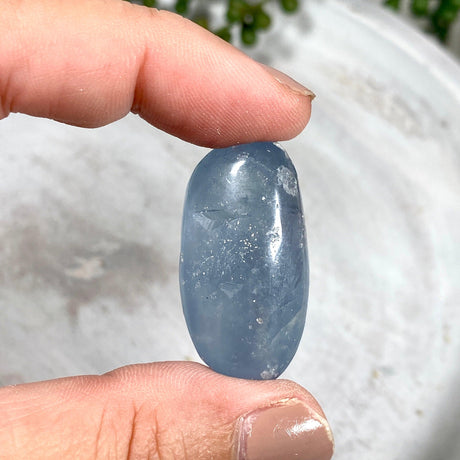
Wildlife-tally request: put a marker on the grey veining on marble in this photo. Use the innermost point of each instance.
(90, 236)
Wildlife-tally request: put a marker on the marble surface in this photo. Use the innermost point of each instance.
(89, 275)
(243, 263)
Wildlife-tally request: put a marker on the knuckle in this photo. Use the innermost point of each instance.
(143, 442)
(135, 426)
(154, 436)
(137, 432)
(124, 431)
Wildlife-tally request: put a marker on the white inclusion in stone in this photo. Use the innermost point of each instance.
(269, 374)
(230, 289)
(242, 156)
(259, 321)
(236, 167)
(287, 179)
(210, 219)
(275, 235)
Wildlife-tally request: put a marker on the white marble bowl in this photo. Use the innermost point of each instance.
(90, 226)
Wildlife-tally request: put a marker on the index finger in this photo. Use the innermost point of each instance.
(89, 63)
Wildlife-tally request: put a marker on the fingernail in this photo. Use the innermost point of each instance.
(288, 432)
(285, 80)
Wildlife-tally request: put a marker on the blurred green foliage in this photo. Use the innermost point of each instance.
(249, 18)
(439, 15)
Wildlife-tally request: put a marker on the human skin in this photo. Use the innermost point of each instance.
(89, 63)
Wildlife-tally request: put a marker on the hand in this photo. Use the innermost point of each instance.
(88, 63)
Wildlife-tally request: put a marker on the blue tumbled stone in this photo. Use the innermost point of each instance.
(244, 263)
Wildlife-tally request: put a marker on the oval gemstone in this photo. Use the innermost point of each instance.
(244, 264)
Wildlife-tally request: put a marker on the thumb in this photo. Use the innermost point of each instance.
(162, 411)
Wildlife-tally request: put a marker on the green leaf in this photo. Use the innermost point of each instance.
(419, 7)
(202, 21)
(235, 10)
(224, 33)
(289, 5)
(392, 4)
(248, 34)
(261, 19)
(181, 6)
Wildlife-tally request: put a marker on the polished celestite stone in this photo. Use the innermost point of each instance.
(244, 263)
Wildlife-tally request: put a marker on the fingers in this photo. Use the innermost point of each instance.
(90, 62)
(162, 411)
